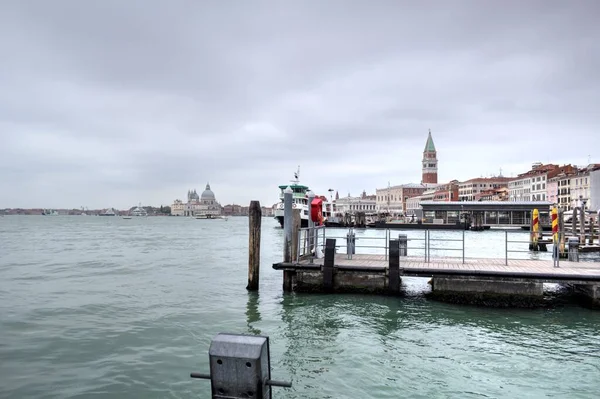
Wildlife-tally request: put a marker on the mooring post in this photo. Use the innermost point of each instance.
(561, 232)
(554, 218)
(350, 243)
(574, 249)
(287, 224)
(403, 243)
(591, 239)
(295, 235)
(240, 367)
(394, 267)
(311, 225)
(255, 218)
(328, 264)
(582, 224)
(288, 199)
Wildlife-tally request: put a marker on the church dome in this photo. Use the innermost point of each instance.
(207, 194)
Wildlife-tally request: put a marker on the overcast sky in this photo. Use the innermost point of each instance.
(111, 103)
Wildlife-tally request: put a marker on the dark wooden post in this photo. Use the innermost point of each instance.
(394, 267)
(295, 234)
(328, 263)
(561, 232)
(254, 217)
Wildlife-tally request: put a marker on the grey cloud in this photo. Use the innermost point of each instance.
(118, 100)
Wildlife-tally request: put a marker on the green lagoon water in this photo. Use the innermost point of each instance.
(95, 307)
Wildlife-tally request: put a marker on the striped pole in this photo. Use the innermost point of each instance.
(555, 255)
(536, 227)
(555, 225)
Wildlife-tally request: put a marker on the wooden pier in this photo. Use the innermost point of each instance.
(312, 262)
(476, 281)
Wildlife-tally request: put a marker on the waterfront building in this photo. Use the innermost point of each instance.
(177, 208)
(471, 189)
(594, 201)
(439, 193)
(393, 198)
(208, 205)
(446, 192)
(364, 203)
(196, 205)
(531, 185)
(430, 163)
(584, 186)
(493, 194)
(558, 186)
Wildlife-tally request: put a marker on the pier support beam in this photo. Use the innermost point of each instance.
(487, 291)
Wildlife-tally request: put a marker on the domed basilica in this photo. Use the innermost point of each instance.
(204, 205)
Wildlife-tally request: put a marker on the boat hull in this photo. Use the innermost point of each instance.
(303, 222)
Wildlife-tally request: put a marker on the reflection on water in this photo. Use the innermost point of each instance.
(252, 313)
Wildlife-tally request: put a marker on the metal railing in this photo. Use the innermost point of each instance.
(555, 252)
(311, 244)
(429, 240)
(309, 240)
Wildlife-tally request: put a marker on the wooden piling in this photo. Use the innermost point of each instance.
(582, 224)
(574, 222)
(295, 234)
(328, 264)
(591, 239)
(255, 218)
(561, 233)
(394, 267)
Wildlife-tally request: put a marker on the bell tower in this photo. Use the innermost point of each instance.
(430, 162)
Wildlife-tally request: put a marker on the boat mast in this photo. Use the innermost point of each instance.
(297, 176)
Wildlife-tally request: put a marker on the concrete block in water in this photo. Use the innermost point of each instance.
(488, 291)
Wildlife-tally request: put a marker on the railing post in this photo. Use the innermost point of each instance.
(387, 237)
(394, 267)
(463, 244)
(505, 247)
(428, 246)
(425, 245)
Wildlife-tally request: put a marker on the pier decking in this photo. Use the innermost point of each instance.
(538, 270)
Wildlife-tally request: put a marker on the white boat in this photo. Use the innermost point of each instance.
(300, 201)
(139, 211)
(207, 216)
(109, 212)
(126, 217)
(49, 212)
